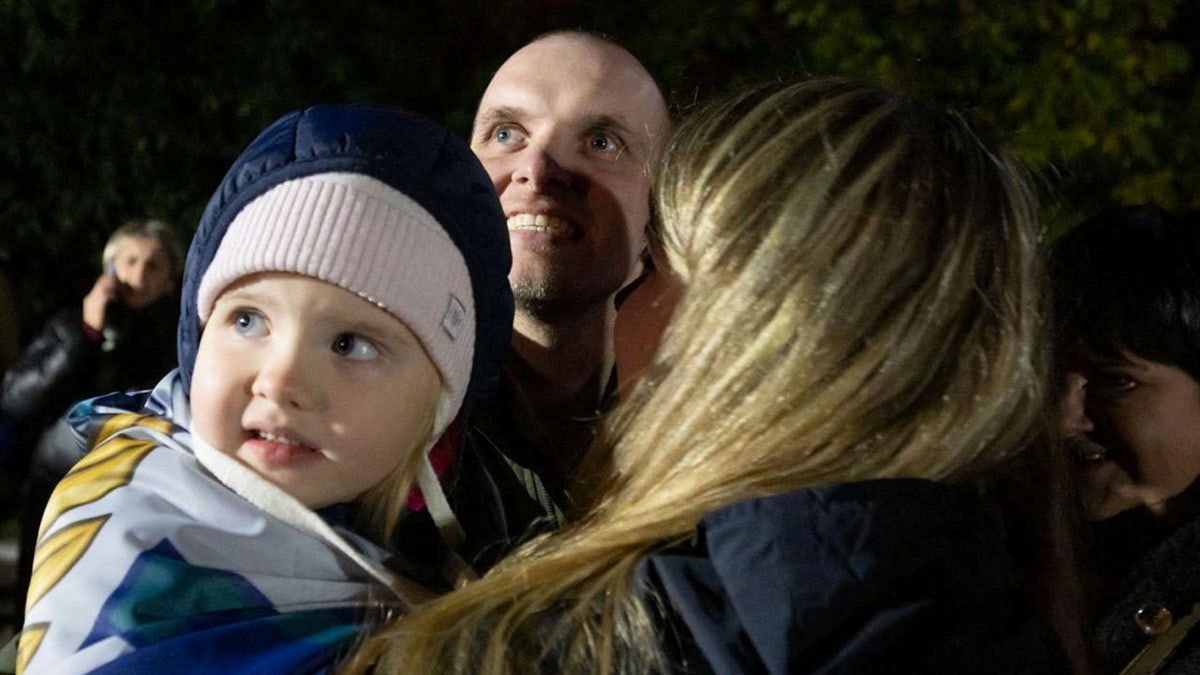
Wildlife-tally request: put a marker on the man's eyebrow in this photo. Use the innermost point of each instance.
(604, 121)
(489, 116)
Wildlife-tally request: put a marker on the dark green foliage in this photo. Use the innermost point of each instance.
(115, 110)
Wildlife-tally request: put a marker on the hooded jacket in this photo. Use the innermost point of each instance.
(160, 553)
(407, 152)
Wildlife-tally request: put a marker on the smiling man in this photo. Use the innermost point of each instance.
(569, 130)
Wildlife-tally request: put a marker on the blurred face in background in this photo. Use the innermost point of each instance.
(143, 270)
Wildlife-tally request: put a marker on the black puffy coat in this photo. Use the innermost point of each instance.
(63, 365)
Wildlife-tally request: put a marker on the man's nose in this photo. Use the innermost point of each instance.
(540, 167)
(287, 378)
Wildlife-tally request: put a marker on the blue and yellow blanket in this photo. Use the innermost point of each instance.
(159, 554)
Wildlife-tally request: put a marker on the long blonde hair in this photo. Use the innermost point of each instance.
(375, 512)
(863, 300)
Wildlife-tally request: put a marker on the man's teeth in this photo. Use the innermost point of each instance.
(268, 436)
(538, 223)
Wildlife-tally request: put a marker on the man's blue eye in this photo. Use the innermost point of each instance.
(605, 143)
(504, 135)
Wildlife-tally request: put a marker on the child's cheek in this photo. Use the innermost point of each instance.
(213, 416)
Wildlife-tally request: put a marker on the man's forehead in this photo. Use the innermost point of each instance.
(574, 81)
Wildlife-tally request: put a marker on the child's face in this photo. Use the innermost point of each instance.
(315, 388)
(1146, 416)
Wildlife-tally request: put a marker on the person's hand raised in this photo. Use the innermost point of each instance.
(95, 303)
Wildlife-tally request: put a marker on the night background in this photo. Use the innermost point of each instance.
(118, 110)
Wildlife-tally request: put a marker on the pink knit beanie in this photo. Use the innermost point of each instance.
(361, 234)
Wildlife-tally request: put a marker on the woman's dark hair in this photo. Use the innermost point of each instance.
(1129, 279)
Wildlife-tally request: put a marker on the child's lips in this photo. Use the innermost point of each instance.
(277, 438)
(278, 447)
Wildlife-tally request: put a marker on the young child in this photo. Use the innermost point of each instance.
(345, 300)
(1127, 289)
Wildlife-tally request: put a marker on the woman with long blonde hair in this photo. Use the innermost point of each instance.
(855, 345)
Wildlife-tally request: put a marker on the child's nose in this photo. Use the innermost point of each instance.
(286, 379)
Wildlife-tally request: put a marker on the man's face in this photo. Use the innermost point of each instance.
(1146, 416)
(567, 130)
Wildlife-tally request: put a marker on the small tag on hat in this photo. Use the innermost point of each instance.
(455, 316)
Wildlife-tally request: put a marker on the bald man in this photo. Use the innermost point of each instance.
(568, 129)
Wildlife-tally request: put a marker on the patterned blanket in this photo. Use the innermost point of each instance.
(159, 554)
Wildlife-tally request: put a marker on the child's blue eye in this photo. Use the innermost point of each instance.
(354, 347)
(249, 324)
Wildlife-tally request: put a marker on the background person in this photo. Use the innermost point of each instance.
(795, 483)
(1127, 287)
(121, 336)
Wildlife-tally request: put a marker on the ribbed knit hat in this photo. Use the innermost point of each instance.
(358, 233)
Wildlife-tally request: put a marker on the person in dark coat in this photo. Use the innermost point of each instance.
(847, 298)
(1127, 288)
(121, 336)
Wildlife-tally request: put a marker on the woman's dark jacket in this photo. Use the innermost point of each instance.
(63, 364)
(889, 576)
(1155, 597)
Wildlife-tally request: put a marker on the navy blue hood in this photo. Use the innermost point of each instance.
(407, 152)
